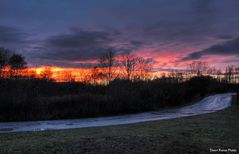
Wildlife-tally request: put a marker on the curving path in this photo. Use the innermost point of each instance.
(207, 105)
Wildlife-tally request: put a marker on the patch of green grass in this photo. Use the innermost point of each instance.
(185, 135)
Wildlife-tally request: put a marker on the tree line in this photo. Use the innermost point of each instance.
(111, 66)
(43, 98)
(131, 67)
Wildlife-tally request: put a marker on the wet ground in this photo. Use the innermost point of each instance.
(207, 105)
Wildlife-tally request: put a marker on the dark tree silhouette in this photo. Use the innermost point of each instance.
(17, 61)
(96, 75)
(107, 61)
(144, 67)
(176, 76)
(232, 74)
(4, 57)
(198, 68)
(129, 62)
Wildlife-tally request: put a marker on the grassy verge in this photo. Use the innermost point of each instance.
(187, 135)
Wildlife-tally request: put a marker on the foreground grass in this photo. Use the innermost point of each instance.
(187, 135)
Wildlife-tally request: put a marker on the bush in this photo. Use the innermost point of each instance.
(36, 99)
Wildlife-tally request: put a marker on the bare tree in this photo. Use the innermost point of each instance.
(212, 71)
(237, 74)
(198, 68)
(107, 61)
(129, 63)
(219, 75)
(176, 76)
(144, 67)
(96, 75)
(231, 74)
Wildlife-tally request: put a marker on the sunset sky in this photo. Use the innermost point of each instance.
(73, 33)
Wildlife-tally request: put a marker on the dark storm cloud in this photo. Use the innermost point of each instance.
(185, 21)
(228, 48)
(137, 44)
(157, 26)
(78, 44)
(11, 35)
(224, 36)
(79, 39)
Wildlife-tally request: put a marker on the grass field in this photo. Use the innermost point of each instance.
(187, 135)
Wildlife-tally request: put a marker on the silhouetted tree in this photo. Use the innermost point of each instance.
(144, 67)
(13, 61)
(228, 73)
(232, 74)
(237, 74)
(107, 61)
(176, 76)
(4, 56)
(219, 75)
(17, 61)
(198, 68)
(129, 62)
(96, 75)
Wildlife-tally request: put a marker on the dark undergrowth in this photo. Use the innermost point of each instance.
(37, 99)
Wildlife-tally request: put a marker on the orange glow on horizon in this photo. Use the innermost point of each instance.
(59, 74)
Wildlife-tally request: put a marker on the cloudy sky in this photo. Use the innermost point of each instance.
(67, 33)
